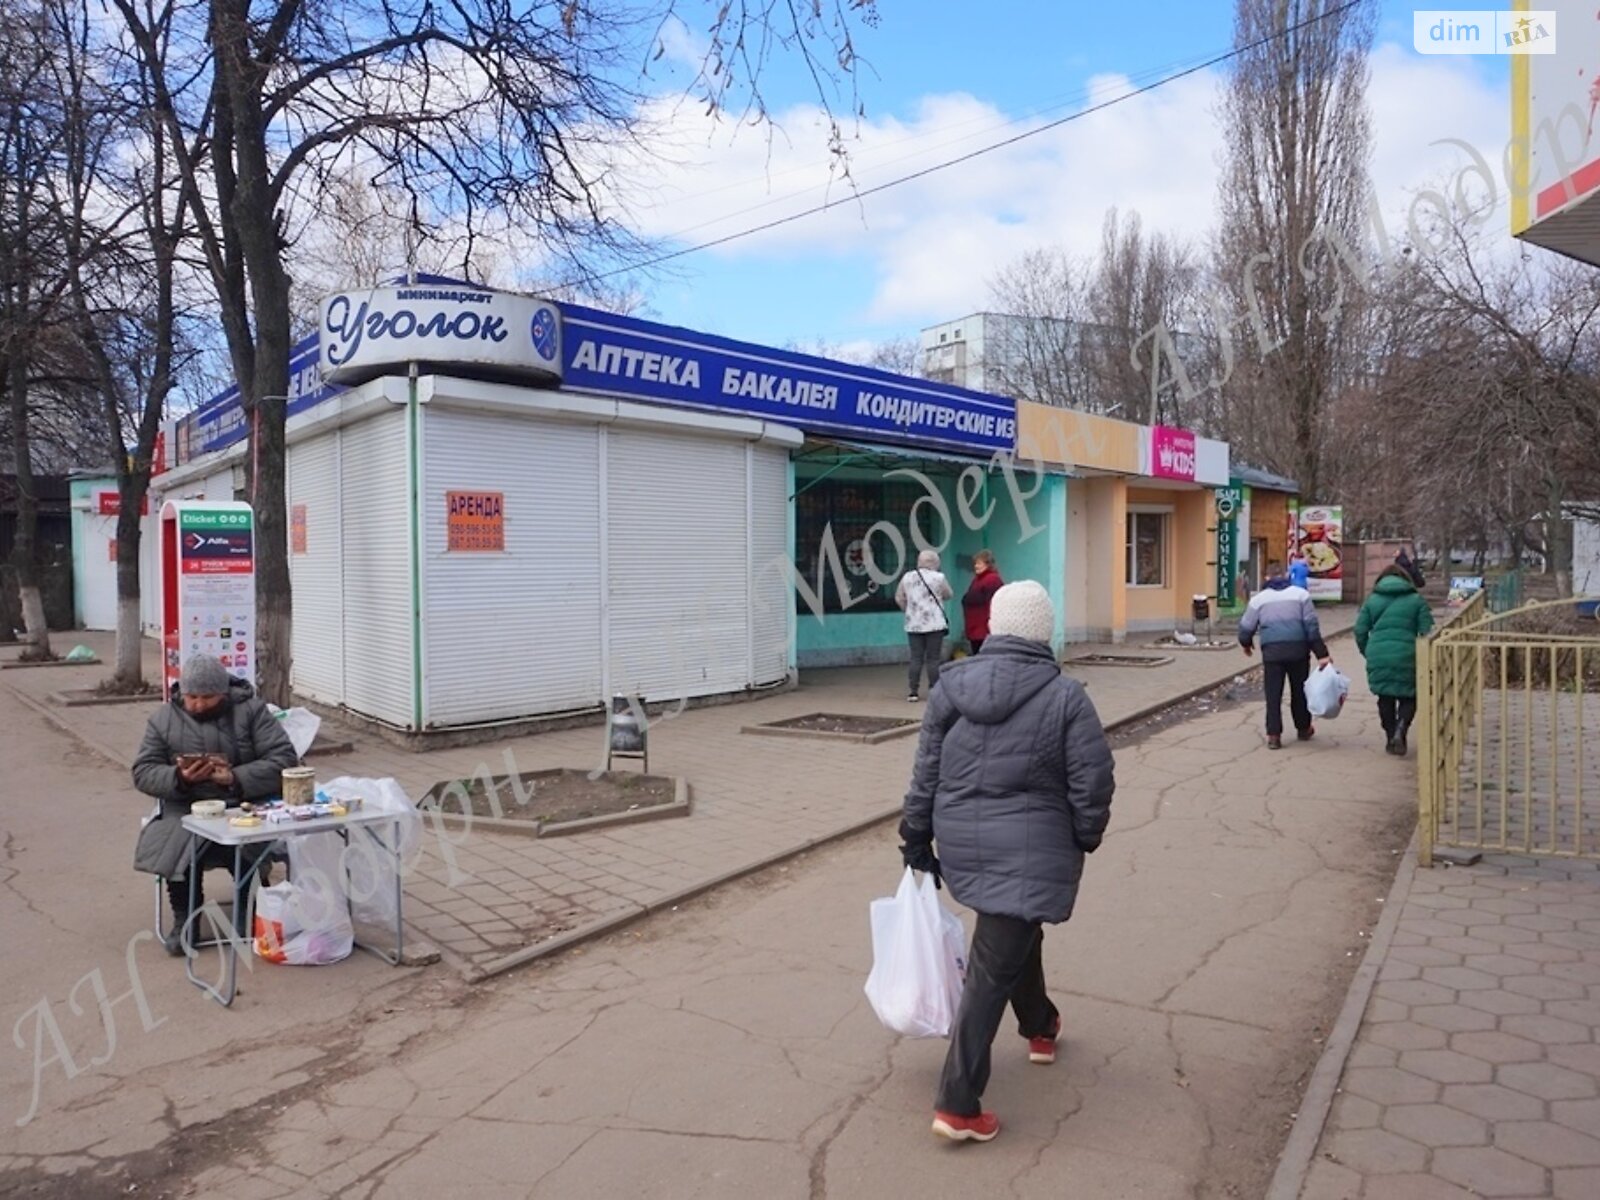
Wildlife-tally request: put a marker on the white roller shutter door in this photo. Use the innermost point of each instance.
(317, 575)
(514, 633)
(378, 666)
(678, 572)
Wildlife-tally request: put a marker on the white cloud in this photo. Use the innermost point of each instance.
(933, 243)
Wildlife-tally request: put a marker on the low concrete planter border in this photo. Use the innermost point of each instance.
(681, 805)
(868, 739)
(89, 698)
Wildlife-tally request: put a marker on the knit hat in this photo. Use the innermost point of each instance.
(204, 676)
(1023, 610)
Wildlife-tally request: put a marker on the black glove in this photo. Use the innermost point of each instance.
(1087, 845)
(918, 855)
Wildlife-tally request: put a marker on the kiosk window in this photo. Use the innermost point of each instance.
(836, 515)
(1147, 549)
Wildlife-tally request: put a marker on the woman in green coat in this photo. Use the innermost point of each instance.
(1387, 629)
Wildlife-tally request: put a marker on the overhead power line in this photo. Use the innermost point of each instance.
(857, 195)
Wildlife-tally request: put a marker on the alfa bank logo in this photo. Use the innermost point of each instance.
(1483, 31)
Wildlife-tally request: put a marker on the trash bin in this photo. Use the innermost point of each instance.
(1201, 607)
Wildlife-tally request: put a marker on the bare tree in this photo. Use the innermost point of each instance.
(1295, 177)
(1140, 299)
(1034, 347)
(122, 229)
(1486, 409)
(31, 129)
(474, 112)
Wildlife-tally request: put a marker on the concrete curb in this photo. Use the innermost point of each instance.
(16, 665)
(584, 933)
(1294, 1163)
(56, 721)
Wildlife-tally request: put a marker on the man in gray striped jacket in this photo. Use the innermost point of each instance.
(1282, 617)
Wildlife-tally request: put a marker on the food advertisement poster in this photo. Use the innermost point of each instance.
(217, 586)
(1319, 536)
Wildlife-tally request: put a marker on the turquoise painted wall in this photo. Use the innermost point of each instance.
(839, 639)
(1032, 543)
(858, 638)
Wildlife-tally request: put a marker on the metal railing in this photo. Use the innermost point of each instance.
(1509, 714)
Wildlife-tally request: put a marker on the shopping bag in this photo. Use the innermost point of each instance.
(378, 855)
(1326, 691)
(301, 724)
(305, 920)
(918, 960)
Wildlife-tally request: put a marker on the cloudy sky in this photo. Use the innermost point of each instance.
(946, 78)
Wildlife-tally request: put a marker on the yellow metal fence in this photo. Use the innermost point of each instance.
(1508, 710)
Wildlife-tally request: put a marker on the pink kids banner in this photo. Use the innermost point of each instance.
(1172, 453)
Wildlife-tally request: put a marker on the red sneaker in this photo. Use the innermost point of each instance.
(980, 1128)
(1043, 1049)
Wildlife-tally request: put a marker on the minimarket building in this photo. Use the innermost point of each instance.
(487, 532)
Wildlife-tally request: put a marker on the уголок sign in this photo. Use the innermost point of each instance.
(381, 330)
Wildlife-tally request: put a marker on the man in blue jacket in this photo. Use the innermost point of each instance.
(1282, 617)
(1299, 570)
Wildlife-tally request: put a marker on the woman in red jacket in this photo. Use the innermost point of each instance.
(986, 582)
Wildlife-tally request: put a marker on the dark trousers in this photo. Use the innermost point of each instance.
(1396, 713)
(1296, 672)
(1005, 965)
(211, 857)
(926, 648)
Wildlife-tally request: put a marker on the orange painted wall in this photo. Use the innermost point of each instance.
(1191, 555)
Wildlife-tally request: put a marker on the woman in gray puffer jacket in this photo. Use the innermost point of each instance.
(1013, 779)
(210, 712)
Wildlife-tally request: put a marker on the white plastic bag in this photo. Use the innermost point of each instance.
(1326, 691)
(918, 960)
(301, 724)
(370, 866)
(305, 921)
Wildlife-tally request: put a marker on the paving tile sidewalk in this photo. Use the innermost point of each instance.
(491, 900)
(1476, 1070)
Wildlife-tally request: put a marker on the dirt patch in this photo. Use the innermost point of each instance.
(1117, 660)
(1169, 643)
(554, 796)
(842, 723)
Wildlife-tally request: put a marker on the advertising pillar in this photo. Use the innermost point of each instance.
(208, 586)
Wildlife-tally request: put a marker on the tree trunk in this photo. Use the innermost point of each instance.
(1557, 539)
(24, 549)
(129, 671)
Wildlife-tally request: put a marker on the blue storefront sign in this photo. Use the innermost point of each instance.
(220, 422)
(666, 365)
